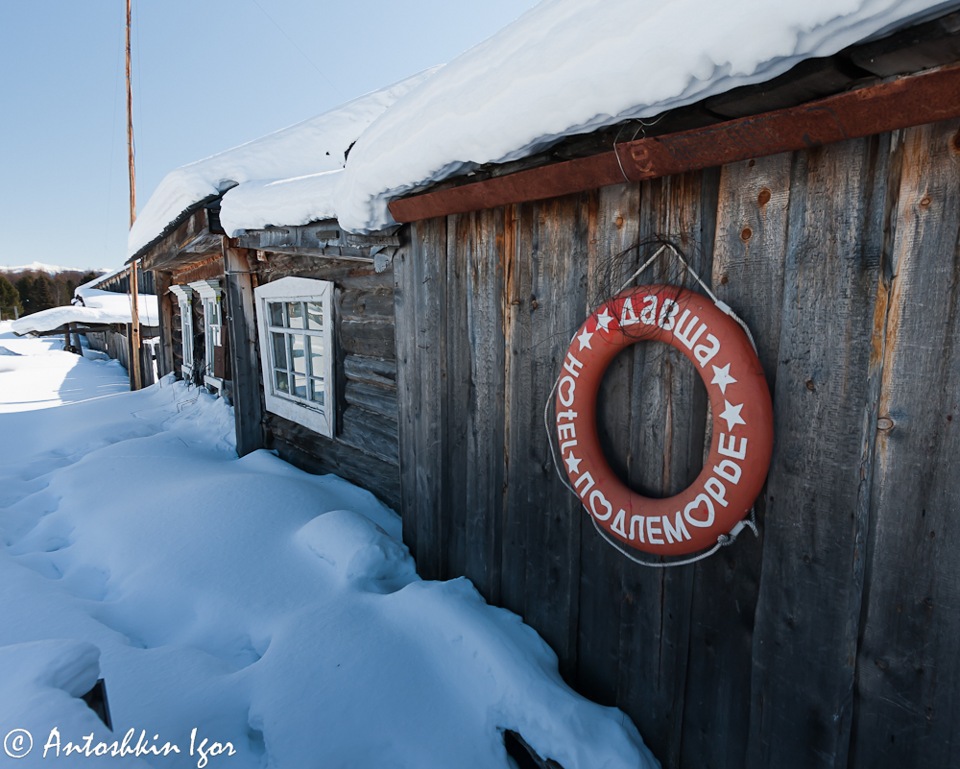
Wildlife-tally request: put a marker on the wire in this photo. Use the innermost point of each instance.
(302, 52)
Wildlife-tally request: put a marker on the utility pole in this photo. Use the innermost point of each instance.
(135, 379)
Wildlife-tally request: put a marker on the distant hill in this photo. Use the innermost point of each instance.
(36, 287)
(51, 269)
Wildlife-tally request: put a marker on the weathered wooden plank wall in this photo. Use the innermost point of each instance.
(365, 448)
(830, 642)
(908, 666)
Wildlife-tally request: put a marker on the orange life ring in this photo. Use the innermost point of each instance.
(742, 439)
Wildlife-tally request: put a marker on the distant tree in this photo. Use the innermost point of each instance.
(37, 293)
(44, 293)
(25, 289)
(10, 306)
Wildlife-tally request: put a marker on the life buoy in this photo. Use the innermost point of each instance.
(742, 439)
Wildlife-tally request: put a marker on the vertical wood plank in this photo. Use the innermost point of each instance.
(749, 252)
(552, 240)
(242, 330)
(612, 258)
(460, 249)
(518, 381)
(810, 593)
(485, 408)
(909, 669)
(408, 402)
(421, 358)
(167, 336)
(667, 408)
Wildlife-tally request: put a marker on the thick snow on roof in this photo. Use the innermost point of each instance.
(111, 302)
(295, 201)
(570, 66)
(101, 307)
(314, 146)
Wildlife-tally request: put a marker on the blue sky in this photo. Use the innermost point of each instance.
(207, 75)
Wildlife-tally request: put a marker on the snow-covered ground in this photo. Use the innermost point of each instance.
(275, 612)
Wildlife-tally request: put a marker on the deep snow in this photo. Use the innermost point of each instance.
(263, 606)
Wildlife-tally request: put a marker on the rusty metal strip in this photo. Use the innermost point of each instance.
(908, 101)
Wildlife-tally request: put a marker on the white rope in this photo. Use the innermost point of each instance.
(725, 308)
(723, 540)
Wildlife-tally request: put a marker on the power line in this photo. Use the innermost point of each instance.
(302, 52)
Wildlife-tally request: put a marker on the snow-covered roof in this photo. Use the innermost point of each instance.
(563, 68)
(104, 275)
(295, 201)
(315, 146)
(571, 66)
(100, 307)
(112, 303)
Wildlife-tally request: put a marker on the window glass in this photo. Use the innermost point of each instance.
(298, 353)
(276, 313)
(316, 391)
(299, 386)
(281, 382)
(295, 314)
(314, 316)
(279, 350)
(315, 354)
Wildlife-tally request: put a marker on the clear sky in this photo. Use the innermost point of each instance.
(207, 75)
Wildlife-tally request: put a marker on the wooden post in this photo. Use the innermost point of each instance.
(242, 330)
(162, 288)
(130, 164)
(135, 363)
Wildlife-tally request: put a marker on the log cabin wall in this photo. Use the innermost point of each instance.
(188, 250)
(364, 448)
(832, 640)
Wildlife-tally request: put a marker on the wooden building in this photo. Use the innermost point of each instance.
(417, 362)
(316, 381)
(110, 292)
(345, 284)
(830, 641)
(186, 265)
(293, 322)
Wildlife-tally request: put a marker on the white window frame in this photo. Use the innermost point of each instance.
(184, 296)
(210, 297)
(320, 419)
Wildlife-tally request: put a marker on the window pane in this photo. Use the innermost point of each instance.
(298, 353)
(314, 316)
(279, 350)
(280, 380)
(276, 313)
(316, 391)
(300, 386)
(315, 355)
(295, 314)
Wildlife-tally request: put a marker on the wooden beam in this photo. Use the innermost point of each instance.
(242, 329)
(927, 97)
(165, 306)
